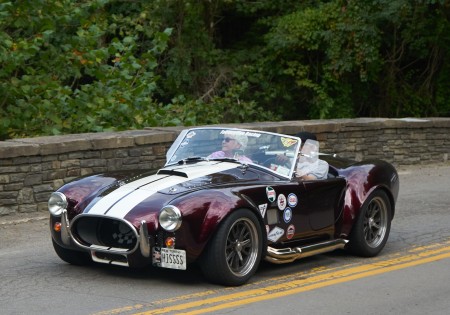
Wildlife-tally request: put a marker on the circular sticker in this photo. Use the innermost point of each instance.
(290, 231)
(292, 200)
(271, 194)
(281, 202)
(287, 215)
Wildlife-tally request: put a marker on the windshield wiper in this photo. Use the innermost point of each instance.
(228, 159)
(192, 159)
(224, 159)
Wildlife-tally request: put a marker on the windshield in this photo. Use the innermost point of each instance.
(275, 152)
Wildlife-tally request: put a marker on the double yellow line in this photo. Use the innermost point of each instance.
(317, 279)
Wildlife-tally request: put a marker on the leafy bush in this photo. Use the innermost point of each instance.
(96, 65)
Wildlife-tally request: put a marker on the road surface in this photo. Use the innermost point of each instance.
(410, 276)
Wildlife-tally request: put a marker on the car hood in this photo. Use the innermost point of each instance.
(149, 193)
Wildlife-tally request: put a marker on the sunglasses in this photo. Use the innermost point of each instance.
(228, 139)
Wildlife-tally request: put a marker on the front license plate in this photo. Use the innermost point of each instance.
(173, 258)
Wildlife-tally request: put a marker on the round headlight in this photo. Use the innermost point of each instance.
(170, 218)
(56, 203)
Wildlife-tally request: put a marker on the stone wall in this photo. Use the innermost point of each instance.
(30, 169)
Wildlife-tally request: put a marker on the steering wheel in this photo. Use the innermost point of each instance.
(277, 161)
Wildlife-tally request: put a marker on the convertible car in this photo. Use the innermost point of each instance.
(225, 199)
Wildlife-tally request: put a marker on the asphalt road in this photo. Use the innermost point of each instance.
(410, 276)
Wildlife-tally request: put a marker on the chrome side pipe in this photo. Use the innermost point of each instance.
(288, 254)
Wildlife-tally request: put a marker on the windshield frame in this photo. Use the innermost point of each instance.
(293, 143)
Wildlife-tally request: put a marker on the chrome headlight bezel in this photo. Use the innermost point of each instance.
(57, 203)
(170, 218)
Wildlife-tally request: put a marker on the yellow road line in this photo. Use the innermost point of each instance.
(275, 295)
(203, 294)
(302, 285)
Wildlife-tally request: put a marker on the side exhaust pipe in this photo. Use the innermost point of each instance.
(287, 255)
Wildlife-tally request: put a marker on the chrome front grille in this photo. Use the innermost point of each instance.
(107, 234)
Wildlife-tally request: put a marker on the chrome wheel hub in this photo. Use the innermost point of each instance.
(242, 247)
(375, 222)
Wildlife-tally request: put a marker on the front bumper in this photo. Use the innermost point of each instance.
(109, 240)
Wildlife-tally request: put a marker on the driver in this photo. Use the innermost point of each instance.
(233, 146)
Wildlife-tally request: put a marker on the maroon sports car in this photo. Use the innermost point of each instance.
(226, 198)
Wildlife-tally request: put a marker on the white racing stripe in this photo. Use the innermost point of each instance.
(119, 202)
(109, 200)
(122, 207)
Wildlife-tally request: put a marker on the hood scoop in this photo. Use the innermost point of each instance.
(172, 172)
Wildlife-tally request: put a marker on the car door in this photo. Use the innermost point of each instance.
(323, 200)
(282, 205)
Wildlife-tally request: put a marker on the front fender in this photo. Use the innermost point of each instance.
(203, 212)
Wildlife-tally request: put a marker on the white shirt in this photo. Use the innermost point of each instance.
(319, 169)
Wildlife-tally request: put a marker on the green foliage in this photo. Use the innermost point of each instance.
(70, 69)
(96, 65)
(229, 108)
(363, 58)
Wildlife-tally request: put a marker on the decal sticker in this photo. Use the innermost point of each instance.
(292, 200)
(184, 143)
(262, 209)
(156, 256)
(281, 202)
(271, 194)
(288, 142)
(279, 169)
(283, 170)
(240, 133)
(290, 231)
(275, 234)
(190, 135)
(287, 215)
(272, 216)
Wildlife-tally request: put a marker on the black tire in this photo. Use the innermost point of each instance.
(234, 252)
(72, 256)
(371, 230)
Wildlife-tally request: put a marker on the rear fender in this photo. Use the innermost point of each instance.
(361, 182)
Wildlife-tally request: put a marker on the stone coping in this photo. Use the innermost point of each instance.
(106, 140)
(82, 142)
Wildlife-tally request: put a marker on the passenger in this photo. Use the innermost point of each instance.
(309, 166)
(233, 146)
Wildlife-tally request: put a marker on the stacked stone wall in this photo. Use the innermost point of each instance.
(32, 168)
